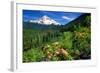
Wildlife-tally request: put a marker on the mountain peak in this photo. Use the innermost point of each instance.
(45, 20)
(45, 17)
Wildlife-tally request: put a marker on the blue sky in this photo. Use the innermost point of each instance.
(61, 17)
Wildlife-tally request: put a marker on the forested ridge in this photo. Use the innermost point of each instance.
(71, 41)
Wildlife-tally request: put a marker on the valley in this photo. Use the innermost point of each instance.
(51, 41)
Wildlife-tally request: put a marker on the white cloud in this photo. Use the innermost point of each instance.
(67, 18)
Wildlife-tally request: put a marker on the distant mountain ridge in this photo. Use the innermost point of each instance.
(36, 26)
(81, 20)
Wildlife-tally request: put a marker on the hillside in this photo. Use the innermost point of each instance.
(71, 41)
(83, 20)
(36, 26)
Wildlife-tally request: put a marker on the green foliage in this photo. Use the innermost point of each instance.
(56, 43)
(35, 38)
(81, 40)
(67, 40)
(33, 55)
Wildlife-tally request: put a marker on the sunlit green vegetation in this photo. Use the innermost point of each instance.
(57, 43)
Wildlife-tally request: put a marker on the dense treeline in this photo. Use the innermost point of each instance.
(35, 38)
(54, 43)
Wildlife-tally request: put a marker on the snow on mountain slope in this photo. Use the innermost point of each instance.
(45, 20)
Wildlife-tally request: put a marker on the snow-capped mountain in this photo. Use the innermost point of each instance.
(45, 20)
